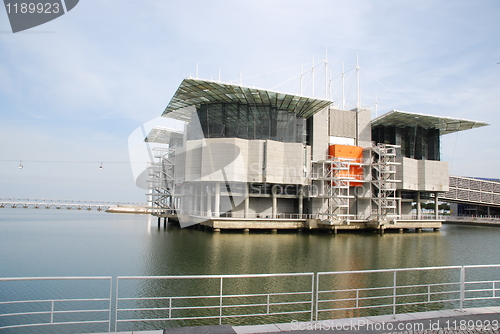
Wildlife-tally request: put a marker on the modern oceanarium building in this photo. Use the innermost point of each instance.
(251, 158)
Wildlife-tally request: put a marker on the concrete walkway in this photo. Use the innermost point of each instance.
(473, 320)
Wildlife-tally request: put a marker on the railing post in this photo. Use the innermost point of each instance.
(220, 302)
(110, 302)
(267, 303)
(170, 308)
(317, 296)
(52, 312)
(462, 288)
(312, 296)
(394, 295)
(116, 304)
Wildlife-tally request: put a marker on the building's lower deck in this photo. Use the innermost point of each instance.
(218, 224)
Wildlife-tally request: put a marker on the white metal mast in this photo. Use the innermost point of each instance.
(343, 86)
(330, 85)
(358, 103)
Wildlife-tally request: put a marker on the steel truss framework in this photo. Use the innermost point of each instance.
(161, 183)
(335, 177)
(335, 181)
(384, 181)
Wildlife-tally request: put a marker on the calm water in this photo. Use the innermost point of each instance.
(74, 243)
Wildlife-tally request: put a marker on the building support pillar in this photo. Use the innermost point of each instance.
(209, 201)
(419, 206)
(400, 210)
(192, 199)
(217, 200)
(436, 205)
(247, 201)
(196, 206)
(182, 200)
(275, 205)
(202, 200)
(301, 203)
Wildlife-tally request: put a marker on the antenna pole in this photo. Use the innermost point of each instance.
(358, 103)
(343, 86)
(330, 86)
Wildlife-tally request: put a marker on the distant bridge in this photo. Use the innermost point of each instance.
(33, 203)
(465, 190)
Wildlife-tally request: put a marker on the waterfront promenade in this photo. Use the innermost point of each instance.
(473, 320)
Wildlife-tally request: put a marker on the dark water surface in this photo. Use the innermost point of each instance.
(75, 243)
(39, 243)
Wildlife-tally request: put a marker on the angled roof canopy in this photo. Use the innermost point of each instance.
(162, 135)
(444, 124)
(193, 92)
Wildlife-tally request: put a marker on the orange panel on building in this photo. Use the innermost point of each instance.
(354, 153)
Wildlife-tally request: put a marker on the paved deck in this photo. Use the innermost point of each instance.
(472, 320)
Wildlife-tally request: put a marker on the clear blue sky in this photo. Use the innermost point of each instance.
(74, 89)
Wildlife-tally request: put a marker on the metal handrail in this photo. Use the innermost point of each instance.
(315, 299)
(221, 297)
(52, 311)
(399, 296)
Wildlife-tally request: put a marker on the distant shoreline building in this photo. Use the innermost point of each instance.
(252, 158)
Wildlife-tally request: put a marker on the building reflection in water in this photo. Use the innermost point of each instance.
(176, 251)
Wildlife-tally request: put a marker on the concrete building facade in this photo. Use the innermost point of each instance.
(254, 158)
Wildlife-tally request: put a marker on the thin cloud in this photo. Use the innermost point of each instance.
(82, 90)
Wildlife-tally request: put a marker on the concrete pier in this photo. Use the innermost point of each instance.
(275, 224)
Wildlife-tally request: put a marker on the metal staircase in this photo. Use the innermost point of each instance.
(161, 183)
(335, 181)
(384, 182)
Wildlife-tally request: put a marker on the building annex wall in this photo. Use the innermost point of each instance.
(351, 127)
(319, 135)
(364, 128)
(241, 160)
(342, 123)
(286, 163)
(422, 175)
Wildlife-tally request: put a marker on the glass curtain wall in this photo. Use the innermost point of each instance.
(234, 120)
(416, 142)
